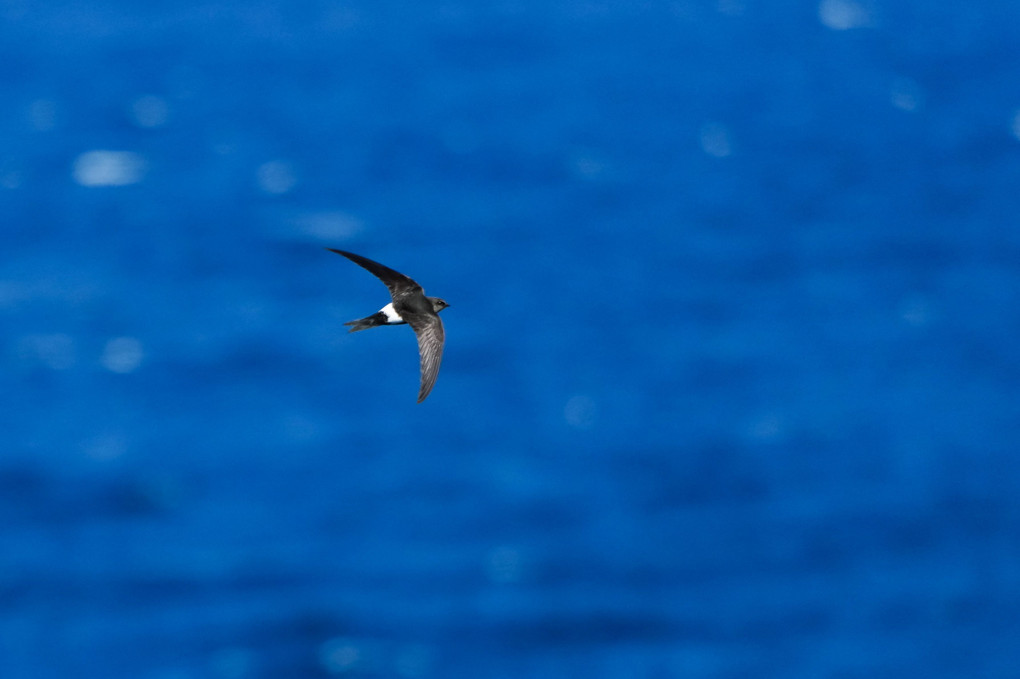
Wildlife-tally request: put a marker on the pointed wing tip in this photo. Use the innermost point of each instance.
(425, 390)
(431, 337)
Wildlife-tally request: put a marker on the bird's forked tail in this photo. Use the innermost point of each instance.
(363, 323)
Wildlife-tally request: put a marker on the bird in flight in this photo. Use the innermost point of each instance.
(410, 306)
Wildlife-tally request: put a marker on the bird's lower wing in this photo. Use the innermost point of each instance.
(430, 346)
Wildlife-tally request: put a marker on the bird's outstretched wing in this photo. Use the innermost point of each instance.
(394, 280)
(429, 330)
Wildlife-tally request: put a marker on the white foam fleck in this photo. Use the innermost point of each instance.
(589, 166)
(842, 15)
(10, 179)
(339, 655)
(916, 311)
(233, 662)
(766, 428)
(13, 293)
(731, 7)
(715, 140)
(328, 225)
(122, 355)
(684, 10)
(906, 95)
(150, 111)
(108, 168)
(42, 114)
(276, 177)
(503, 565)
(414, 660)
(106, 447)
(580, 411)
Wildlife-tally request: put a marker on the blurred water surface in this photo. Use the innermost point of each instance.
(731, 381)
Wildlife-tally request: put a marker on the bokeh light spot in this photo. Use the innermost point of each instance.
(733, 8)
(587, 166)
(916, 311)
(108, 168)
(122, 355)
(10, 179)
(106, 447)
(414, 660)
(326, 226)
(150, 111)
(715, 140)
(842, 15)
(42, 114)
(767, 428)
(580, 412)
(906, 95)
(503, 565)
(339, 655)
(233, 663)
(276, 177)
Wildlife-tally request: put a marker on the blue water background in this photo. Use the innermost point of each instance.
(732, 380)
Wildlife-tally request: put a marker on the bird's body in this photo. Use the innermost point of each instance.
(410, 306)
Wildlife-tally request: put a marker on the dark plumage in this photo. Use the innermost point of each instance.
(410, 306)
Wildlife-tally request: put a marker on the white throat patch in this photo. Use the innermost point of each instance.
(390, 313)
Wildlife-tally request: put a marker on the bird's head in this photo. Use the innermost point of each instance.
(438, 304)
